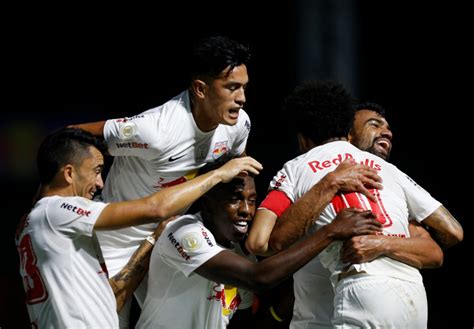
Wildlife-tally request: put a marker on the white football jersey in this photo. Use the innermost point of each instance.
(401, 199)
(159, 148)
(63, 272)
(176, 296)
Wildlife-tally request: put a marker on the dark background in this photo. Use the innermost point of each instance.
(88, 64)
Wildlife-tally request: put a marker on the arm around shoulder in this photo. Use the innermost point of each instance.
(95, 128)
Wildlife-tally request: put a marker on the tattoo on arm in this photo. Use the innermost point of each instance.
(442, 224)
(127, 280)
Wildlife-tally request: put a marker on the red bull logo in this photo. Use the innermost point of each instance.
(220, 148)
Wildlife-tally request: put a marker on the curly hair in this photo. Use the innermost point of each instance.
(320, 110)
(214, 54)
(66, 145)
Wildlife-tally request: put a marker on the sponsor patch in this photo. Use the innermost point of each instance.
(128, 130)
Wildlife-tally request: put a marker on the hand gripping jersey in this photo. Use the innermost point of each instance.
(63, 272)
(159, 148)
(400, 200)
(176, 296)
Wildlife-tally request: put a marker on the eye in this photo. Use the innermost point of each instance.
(374, 123)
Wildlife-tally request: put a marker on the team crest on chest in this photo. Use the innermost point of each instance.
(220, 148)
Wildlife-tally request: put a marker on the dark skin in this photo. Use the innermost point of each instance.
(235, 270)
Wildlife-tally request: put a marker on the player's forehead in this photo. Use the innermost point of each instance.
(363, 116)
(242, 184)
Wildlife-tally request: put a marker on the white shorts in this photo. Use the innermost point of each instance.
(366, 301)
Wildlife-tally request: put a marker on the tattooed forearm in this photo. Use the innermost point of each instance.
(444, 228)
(127, 280)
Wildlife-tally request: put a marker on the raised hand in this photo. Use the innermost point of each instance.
(353, 177)
(239, 165)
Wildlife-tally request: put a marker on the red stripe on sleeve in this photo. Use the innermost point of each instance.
(277, 202)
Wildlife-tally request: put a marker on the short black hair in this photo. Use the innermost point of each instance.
(320, 110)
(66, 145)
(213, 54)
(371, 106)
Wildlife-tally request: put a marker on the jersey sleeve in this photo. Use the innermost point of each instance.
(281, 192)
(133, 136)
(243, 132)
(74, 216)
(420, 203)
(186, 245)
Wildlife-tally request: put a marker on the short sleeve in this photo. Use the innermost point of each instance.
(243, 132)
(186, 244)
(73, 216)
(132, 136)
(420, 203)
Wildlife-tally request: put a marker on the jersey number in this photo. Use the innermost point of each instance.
(357, 200)
(32, 281)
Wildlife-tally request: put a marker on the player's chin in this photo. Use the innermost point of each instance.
(238, 236)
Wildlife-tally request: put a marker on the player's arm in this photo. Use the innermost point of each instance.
(296, 220)
(172, 200)
(420, 250)
(229, 268)
(125, 282)
(444, 228)
(95, 128)
(260, 231)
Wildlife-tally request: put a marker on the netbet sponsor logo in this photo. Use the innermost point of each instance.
(321, 165)
(206, 237)
(132, 145)
(278, 183)
(130, 118)
(75, 209)
(178, 247)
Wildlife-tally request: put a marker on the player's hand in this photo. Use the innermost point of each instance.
(161, 226)
(351, 221)
(362, 249)
(239, 165)
(350, 176)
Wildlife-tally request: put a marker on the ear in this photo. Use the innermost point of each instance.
(305, 144)
(350, 136)
(67, 173)
(199, 88)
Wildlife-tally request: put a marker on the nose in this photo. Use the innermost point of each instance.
(244, 209)
(240, 97)
(387, 133)
(99, 183)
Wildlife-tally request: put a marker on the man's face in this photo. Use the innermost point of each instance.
(226, 96)
(371, 132)
(232, 210)
(87, 177)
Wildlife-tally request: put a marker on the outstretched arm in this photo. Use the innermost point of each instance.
(171, 200)
(125, 282)
(95, 128)
(230, 268)
(420, 250)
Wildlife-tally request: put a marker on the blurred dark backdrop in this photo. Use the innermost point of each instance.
(89, 64)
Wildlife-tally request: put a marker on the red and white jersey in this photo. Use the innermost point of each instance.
(401, 199)
(176, 296)
(63, 272)
(159, 148)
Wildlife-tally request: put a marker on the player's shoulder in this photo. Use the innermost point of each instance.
(185, 223)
